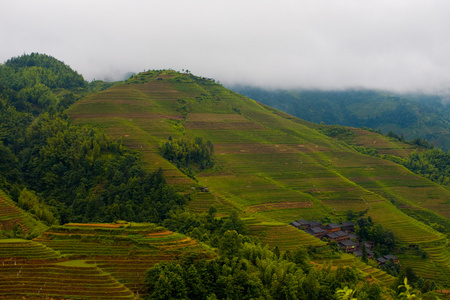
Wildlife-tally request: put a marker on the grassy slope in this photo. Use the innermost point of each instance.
(273, 168)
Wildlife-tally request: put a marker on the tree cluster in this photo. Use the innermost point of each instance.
(433, 164)
(369, 231)
(189, 155)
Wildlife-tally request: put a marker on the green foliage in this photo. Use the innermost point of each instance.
(409, 292)
(409, 284)
(29, 201)
(433, 164)
(187, 154)
(206, 227)
(337, 132)
(253, 272)
(42, 68)
(90, 177)
(384, 239)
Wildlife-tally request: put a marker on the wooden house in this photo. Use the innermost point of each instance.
(304, 224)
(369, 245)
(314, 223)
(392, 257)
(381, 260)
(332, 227)
(386, 258)
(317, 232)
(296, 224)
(342, 236)
(348, 246)
(353, 236)
(370, 254)
(348, 227)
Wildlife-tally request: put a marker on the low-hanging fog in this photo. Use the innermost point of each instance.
(400, 45)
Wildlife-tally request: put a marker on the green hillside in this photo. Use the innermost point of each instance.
(410, 115)
(218, 170)
(270, 166)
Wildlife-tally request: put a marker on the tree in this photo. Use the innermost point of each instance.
(409, 292)
(230, 243)
(345, 294)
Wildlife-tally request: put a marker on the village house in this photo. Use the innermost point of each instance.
(370, 254)
(317, 232)
(305, 225)
(332, 227)
(337, 236)
(386, 258)
(296, 224)
(353, 236)
(393, 257)
(348, 246)
(369, 245)
(348, 226)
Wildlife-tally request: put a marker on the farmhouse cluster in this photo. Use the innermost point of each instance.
(344, 235)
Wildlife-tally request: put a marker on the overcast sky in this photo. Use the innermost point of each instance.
(386, 44)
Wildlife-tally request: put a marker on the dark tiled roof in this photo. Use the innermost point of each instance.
(332, 236)
(381, 260)
(353, 236)
(340, 233)
(348, 243)
(345, 224)
(390, 256)
(314, 223)
(317, 230)
(295, 223)
(333, 226)
(303, 222)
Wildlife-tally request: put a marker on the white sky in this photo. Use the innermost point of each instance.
(402, 45)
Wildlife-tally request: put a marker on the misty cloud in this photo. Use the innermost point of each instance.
(401, 45)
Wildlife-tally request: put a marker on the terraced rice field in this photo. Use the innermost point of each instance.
(24, 249)
(271, 166)
(285, 237)
(29, 269)
(52, 280)
(125, 252)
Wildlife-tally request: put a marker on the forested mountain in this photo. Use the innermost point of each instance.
(410, 115)
(224, 174)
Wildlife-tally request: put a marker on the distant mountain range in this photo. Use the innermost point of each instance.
(410, 115)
